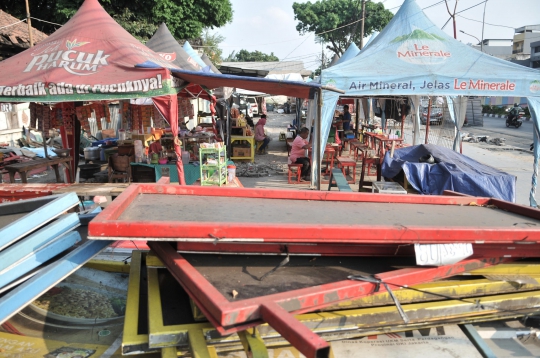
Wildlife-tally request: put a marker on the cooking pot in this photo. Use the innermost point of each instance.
(92, 153)
(87, 171)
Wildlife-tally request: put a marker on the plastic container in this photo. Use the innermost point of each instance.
(185, 157)
(121, 134)
(231, 171)
(139, 151)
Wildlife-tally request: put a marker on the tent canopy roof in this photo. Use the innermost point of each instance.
(165, 45)
(90, 58)
(265, 85)
(413, 56)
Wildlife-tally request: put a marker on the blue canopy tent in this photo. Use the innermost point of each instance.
(350, 53)
(413, 57)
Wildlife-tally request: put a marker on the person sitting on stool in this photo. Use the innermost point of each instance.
(298, 152)
(259, 134)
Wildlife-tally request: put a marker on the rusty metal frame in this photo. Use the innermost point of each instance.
(233, 248)
(108, 226)
(344, 324)
(276, 309)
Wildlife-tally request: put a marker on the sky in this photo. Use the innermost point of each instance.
(269, 25)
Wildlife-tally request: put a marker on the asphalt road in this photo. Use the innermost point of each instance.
(521, 137)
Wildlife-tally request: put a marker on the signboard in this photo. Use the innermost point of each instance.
(440, 342)
(441, 254)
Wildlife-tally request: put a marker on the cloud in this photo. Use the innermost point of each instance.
(280, 15)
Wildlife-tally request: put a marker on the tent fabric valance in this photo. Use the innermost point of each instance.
(265, 85)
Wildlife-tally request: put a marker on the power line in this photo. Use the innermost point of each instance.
(480, 3)
(15, 23)
(53, 23)
(487, 23)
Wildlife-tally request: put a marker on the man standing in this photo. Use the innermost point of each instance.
(298, 152)
(346, 118)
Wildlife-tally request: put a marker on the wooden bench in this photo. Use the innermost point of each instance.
(341, 183)
(346, 163)
(367, 163)
(24, 167)
(357, 148)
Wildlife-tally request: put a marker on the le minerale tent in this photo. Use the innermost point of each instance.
(413, 57)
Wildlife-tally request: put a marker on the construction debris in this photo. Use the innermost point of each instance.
(259, 170)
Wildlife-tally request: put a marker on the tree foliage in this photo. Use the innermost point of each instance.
(255, 56)
(326, 15)
(184, 18)
(210, 42)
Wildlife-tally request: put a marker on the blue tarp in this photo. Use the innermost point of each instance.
(453, 171)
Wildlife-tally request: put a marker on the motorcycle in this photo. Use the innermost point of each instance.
(515, 121)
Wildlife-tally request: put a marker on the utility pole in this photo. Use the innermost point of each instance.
(363, 20)
(483, 22)
(452, 15)
(29, 25)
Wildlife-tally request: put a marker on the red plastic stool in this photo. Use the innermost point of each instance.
(298, 173)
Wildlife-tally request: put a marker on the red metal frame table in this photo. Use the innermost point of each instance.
(382, 140)
(14, 192)
(207, 214)
(188, 214)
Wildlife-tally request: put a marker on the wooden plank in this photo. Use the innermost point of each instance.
(37, 163)
(341, 182)
(93, 189)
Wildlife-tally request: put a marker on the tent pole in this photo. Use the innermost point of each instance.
(228, 142)
(30, 36)
(316, 150)
(428, 119)
(362, 27)
(357, 113)
(403, 116)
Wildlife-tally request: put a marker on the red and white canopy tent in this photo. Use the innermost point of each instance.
(91, 58)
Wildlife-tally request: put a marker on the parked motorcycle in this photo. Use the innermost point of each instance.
(515, 121)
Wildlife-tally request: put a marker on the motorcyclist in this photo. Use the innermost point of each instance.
(514, 112)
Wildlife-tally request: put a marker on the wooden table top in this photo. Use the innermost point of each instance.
(37, 163)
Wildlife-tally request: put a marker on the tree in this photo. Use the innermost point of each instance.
(327, 15)
(210, 43)
(255, 56)
(185, 19)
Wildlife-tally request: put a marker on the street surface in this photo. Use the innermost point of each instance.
(514, 158)
(496, 128)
